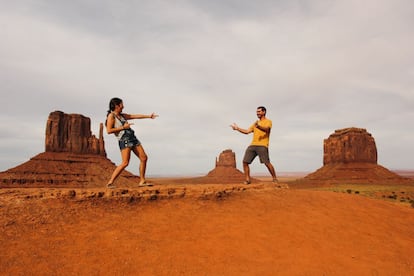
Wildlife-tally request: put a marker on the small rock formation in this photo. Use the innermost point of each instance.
(350, 157)
(226, 169)
(72, 133)
(226, 159)
(73, 158)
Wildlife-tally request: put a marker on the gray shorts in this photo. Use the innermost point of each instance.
(253, 151)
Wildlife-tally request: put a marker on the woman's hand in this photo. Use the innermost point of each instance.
(153, 115)
(127, 125)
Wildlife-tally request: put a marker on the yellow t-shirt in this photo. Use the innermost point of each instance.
(261, 138)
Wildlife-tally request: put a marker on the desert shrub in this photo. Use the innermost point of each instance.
(349, 191)
(357, 192)
(392, 196)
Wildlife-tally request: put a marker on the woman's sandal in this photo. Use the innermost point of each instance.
(110, 186)
(145, 184)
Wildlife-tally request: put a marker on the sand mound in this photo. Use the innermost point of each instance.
(63, 169)
(202, 229)
(352, 173)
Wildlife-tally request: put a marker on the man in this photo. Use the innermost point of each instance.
(260, 144)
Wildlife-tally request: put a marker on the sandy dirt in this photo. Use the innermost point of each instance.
(214, 229)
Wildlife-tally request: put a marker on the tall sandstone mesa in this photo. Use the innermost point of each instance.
(72, 133)
(349, 145)
(73, 157)
(350, 156)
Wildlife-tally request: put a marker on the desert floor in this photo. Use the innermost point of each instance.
(207, 229)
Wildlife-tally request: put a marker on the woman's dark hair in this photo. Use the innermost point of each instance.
(112, 103)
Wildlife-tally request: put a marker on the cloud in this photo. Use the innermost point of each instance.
(202, 65)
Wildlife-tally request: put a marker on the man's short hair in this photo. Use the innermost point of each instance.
(262, 108)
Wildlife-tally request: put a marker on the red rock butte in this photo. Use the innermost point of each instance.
(349, 145)
(350, 157)
(72, 133)
(73, 157)
(225, 172)
(226, 169)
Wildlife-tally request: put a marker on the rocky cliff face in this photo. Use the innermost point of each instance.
(350, 157)
(226, 159)
(72, 133)
(349, 145)
(73, 158)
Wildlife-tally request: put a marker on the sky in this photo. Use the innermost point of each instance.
(316, 65)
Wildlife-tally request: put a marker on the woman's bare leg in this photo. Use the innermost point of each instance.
(140, 153)
(125, 154)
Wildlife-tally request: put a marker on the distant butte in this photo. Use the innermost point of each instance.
(350, 157)
(224, 172)
(226, 169)
(73, 157)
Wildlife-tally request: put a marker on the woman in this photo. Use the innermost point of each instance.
(116, 123)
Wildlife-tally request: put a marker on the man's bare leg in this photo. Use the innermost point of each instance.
(272, 171)
(246, 169)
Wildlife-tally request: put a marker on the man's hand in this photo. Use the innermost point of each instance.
(234, 126)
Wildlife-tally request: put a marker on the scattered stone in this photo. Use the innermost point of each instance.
(72, 193)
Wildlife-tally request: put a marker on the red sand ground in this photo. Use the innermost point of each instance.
(173, 229)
